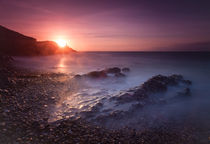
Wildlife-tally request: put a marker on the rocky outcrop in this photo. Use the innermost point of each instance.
(126, 104)
(106, 73)
(15, 44)
(154, 85)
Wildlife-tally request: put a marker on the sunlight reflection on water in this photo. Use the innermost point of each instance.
(61, 65)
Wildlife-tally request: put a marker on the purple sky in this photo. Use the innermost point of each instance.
(113, 25)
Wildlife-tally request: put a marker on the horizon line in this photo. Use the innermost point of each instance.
(144, 51)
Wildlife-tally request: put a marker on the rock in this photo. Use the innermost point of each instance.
(114, 70)
(125, 69)
(160, 83)
(110, 72)
(77, 76)
(96, 74)
(97, 107)
(41, 126)
(154, 85)
(70, 131)
(126, 97)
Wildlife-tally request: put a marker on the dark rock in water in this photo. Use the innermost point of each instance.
(154, 85)
(129, 102)
(110, 72)
(114, 70)
(77, 76)
(160, 83)
(125, 69)
(96, 74)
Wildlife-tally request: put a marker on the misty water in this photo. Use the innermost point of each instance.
(193, 66)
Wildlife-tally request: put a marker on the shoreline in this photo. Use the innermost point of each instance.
(26, 100)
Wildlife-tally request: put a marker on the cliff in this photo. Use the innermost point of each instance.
(16, 44)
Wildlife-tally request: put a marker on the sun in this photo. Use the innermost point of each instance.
(61, 42)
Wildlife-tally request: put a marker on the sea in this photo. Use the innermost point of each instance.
(193, 66)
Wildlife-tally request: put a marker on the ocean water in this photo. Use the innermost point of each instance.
(194, 66)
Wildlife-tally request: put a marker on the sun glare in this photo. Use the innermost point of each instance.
(61, 42)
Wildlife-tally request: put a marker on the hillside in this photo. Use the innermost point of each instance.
(16, 44)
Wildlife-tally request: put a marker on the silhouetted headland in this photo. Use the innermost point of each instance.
(16, 44)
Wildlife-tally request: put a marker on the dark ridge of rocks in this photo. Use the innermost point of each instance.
(137, 98)
(154, 85)
(109, 72)
(160, 83)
